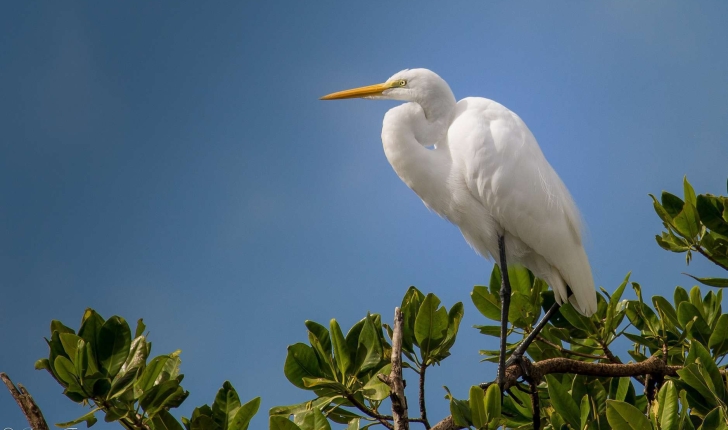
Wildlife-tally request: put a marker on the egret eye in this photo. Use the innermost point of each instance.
(402, 83)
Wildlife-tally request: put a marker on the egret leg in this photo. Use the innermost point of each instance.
(521, 349)
(505, 296)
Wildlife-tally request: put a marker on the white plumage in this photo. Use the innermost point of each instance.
(486, 174)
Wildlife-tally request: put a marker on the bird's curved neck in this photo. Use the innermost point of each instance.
(406, 132)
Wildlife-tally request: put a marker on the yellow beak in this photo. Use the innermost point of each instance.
(368, 91)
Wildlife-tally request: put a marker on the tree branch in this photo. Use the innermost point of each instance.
(535, 403)
(396, 384)
(654, 366)
(383, 419)
(709, 257)
(423, 408)
(26, 403)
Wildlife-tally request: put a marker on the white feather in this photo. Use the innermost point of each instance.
(487, 175)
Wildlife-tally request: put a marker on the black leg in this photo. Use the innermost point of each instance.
(521, 349)
(505, 296)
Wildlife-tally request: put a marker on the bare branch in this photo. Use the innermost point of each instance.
(423, 408)
(654, 366)
(27, 404)
(383, 419)
(535, 403)
(396, 384)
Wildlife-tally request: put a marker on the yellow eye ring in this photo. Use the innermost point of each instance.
(402, 83)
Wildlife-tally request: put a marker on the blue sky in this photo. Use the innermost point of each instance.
(172, 161)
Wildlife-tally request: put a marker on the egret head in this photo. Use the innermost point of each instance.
(412, 85)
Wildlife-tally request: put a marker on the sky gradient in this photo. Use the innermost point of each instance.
(172, 161)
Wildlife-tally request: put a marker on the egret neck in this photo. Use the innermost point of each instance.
(407, 132)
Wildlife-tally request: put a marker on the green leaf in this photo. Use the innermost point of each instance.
(65, 370)
(151, 372)
(312, 420)
(665, 309)
(493, 404)
(660, 210)
(316, 383)
(369, 352)
(487, 303)
(244, 414)
(460, 410)
(140, 328)
(60, 327)
(622, 389)
(43, 363)
(114, 341)
(353, 424)
(562, 401)
(341, 351)
(321, 334)
(90, 419)
(585, 409)
(614, 300)
(698, 354)
(70, 344)
(91, 324)
(301, 362)
(623, 416)
(430, 325)
(163, 420)
(576, 319)
(692, 376)
(410, 306)
(714, 420)
(476, 401)
(203, 422)
(673, 204)
(719, 338)
(376, 389)
(225, 405)
(668, 407)
(454, 317)
(521, 279)
(687, 222)
(711, 282)
(122, 382)
(688, 312)
(164, 395)
(278, 422)
(711, 211)
(688, 191)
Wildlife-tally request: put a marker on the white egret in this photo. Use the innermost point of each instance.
(486, 174)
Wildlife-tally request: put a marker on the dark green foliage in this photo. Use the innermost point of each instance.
(104, 367)
(341, 371)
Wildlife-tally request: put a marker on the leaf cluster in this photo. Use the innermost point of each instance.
(104, 367)
(341, 370)
(695, 224)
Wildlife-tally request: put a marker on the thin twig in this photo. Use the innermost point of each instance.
(423, 408)
(535, 403)
(568, 351)
(709, 257)
(383, 419)
(26, 403)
